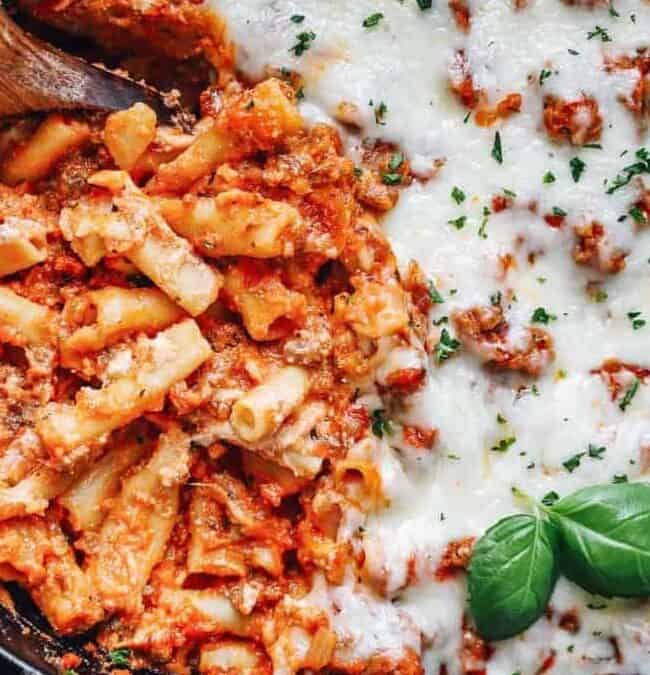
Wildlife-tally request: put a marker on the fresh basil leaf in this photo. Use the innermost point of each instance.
(511, 575)
(604, 534)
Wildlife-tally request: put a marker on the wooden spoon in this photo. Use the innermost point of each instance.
(35, 76)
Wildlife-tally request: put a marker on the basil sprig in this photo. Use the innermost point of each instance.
(605, 538)
(511, 575)
(599, 537)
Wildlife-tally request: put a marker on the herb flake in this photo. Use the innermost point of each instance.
(380, 113)
(372, 20)
(629, 395)
(504, 444)
(573, 462)
(497, 150)
(303, 42)
(595, 451)
(637, 323)
(434, 294)
(396, 160)
(638, 215)
(600, 32)
(458, 223)
(380, 423)
(447, 346)
(540, 315)
(457, 195)
(577, 168)
(550, 498)
(631, 170)
(120, 657)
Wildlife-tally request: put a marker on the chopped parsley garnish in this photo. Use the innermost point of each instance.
(549, 177)
(636, 322)
(612, 11)
(434, 294)
(638, 215)
(573, 463)
(596, 452)
(577, 168)
(497, 150)
(440, 321)
(391, 178)
(630, 393)
(425, 4)
(300, 94)
(636, 169)
(396, 160)
(620, 478)
(458, 223)
(458, 195)
(446, 347)
(495, 299)
(372, 20)
(380, 423)
(380, 113)
(600, 295)
(501, 419)
(573, 52)
(357, 171)
(540, 315)
(298, 18)
(593, 146)
(544, 74)
(120, 657)
(550, 498)
(482, 229)
(600, 32)
(304, 41)
(466, 118)
(557, 211)
(509, 193)
(504, 444)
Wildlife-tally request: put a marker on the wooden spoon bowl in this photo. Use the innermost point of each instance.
(35, 77)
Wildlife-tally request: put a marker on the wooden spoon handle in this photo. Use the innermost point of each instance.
(34, 76)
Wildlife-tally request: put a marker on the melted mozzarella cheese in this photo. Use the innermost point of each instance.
(464, 487)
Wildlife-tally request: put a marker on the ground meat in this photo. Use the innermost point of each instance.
(592, 249)
(577, 121)
(455, 558)
(474, 651)
(484, 331)
(461, 14)
(461, 82)
(419, 437)
(508, 105)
